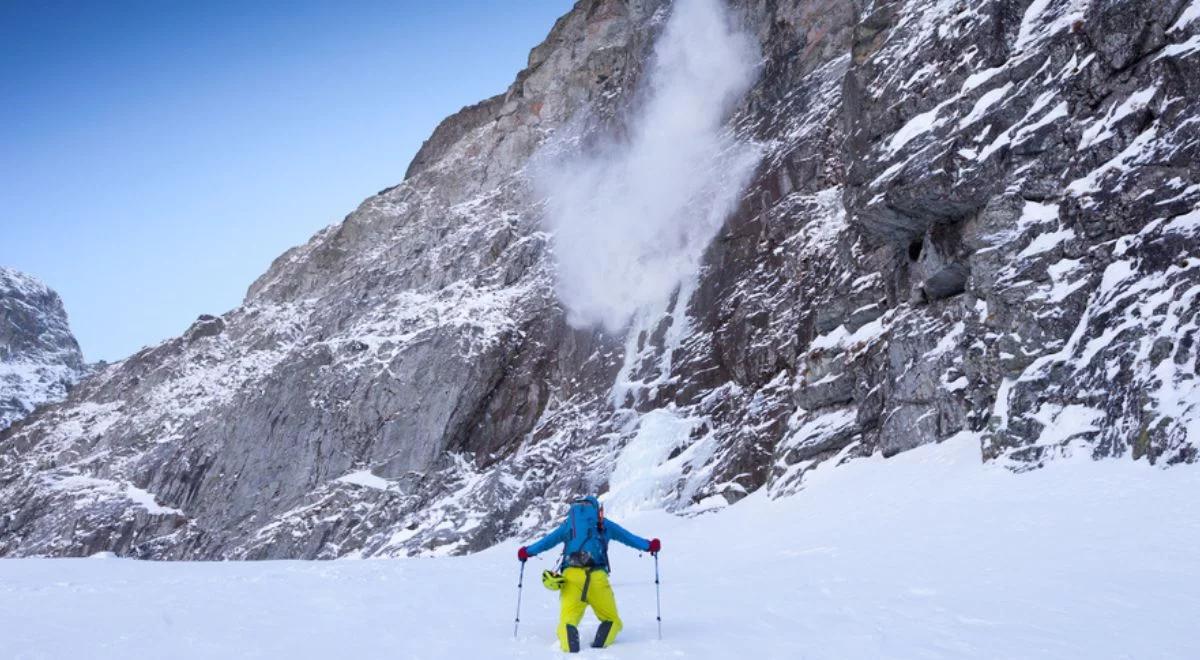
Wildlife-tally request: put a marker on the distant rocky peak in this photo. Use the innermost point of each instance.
(39, 357)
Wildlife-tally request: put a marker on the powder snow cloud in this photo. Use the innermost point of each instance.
(631, 217)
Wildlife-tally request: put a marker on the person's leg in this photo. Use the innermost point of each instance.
(604, 604)
(571, 610)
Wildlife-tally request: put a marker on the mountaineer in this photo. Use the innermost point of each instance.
(584, 570)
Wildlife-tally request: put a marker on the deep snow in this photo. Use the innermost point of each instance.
(925, 555)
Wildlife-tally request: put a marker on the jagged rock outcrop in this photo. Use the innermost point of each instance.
(973, 218)
(39, 357)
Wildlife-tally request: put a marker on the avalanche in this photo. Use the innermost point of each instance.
(929, 554)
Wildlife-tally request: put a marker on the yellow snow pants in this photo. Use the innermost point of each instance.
(574, 603)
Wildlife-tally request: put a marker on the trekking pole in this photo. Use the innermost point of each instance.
(657, 596)
(520, 582)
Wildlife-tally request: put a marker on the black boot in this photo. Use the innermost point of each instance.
(572, 638)
(602, 634)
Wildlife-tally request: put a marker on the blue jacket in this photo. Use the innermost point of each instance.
(612, 531)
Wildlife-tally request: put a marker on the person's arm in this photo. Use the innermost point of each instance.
(622, 535)
(549, 541)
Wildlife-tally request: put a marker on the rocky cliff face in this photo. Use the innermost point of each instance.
(39, 357)
(968, 218)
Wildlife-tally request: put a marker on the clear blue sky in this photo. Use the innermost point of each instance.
(155, 156)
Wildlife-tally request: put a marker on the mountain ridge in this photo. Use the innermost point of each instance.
(967, 220)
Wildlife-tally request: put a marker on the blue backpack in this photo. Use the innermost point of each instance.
(586, 542)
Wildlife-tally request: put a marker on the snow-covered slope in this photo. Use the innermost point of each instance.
(39, 357)
(930, 554)
(963, 217)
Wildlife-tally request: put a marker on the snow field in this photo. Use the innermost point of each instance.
(925, 555)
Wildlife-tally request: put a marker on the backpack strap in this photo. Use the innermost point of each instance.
(587, 582)
(604, 548)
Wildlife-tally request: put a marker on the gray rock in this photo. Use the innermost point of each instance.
(39, 358)
(205, 326)
(407, 382)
